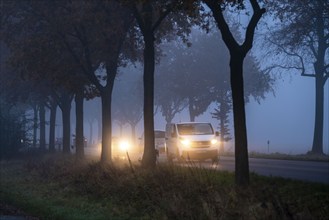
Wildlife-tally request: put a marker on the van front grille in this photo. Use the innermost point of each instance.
(200, 144)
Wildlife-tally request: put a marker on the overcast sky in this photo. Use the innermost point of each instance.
(287, 119)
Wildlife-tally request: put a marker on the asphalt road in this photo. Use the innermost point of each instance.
(301, 170)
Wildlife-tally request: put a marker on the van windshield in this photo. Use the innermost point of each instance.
(195, 129)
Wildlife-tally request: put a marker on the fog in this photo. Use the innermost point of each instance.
(282, 122)
(285, 119)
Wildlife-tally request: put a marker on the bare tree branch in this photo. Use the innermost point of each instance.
(299, 57)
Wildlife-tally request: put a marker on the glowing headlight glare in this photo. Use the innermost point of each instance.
(185, 142)
(124, 145)
(214, 141)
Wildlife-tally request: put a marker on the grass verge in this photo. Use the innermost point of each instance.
(62, 188)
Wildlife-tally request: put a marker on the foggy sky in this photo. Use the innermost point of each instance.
(286, 119)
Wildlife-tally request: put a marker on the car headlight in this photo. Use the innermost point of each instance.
(213, 141)
(124, 145)
(185, 142)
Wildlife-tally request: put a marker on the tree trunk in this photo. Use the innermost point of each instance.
(317, 147)
(239, 116)
(35, 125)
(149, 157)
(237, 54)
(319, 67)
(106, 155)
(42, 116)
(66, 117)
(52, 125)
(79, 138)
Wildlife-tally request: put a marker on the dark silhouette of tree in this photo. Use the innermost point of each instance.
(79, 30)
(64, 99)
(237, 55)
(145, 16)
(42, 117)
(40, 58)
(35, 124)
(96, 49)
(149, 16)
(34, 94)
(302, 37)
(52, 105)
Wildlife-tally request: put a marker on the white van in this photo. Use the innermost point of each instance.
(191, 141)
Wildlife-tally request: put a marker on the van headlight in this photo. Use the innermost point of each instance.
(124, 145)
(185, 142)
(213, 141)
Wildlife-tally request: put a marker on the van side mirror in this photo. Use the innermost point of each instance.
(217, 133)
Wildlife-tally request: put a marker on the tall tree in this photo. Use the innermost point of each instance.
(42, 117)
(52, 105)
(149, 16)
(237, 55)
(302, 38)
(85, 30)
(85, 37)
(31, 42)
